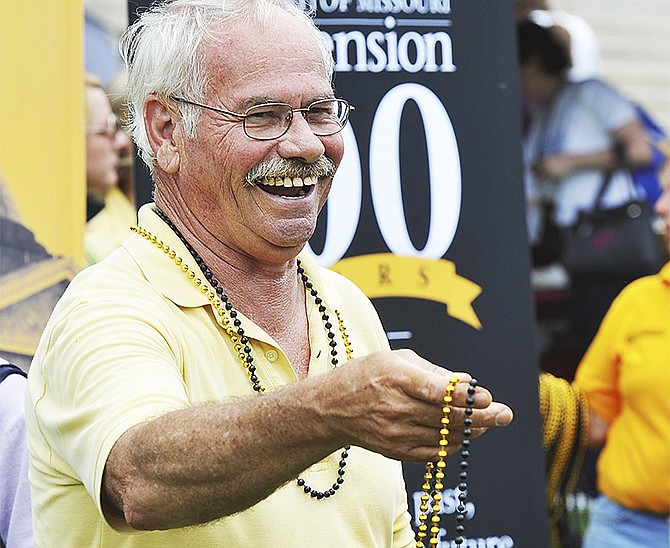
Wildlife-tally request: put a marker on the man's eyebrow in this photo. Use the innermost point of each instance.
(263, 99)
(259, 100)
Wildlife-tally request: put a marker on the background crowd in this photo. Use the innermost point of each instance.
(582, 135)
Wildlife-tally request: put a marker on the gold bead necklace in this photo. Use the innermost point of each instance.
(434, 475)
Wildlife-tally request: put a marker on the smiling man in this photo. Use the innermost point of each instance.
(207, 384)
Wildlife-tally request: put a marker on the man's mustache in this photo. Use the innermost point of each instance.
(283, 167)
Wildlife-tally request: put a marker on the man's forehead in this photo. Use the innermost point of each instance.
(261, 39)
(272, 52)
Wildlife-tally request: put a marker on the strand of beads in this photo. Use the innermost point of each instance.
(434, 475)
(463, 465)
(434, 488)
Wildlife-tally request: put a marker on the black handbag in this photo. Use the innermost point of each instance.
(618, 241)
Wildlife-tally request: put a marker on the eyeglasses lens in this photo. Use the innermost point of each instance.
(112, 127)
(271, 121)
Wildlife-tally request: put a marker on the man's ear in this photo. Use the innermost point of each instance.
(159, 121)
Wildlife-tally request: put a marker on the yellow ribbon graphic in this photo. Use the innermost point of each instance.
(389, 275)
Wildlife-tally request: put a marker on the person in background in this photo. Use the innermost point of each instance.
(208, 384)
(109, 211)
(118, 98)
(15, 511)
(579, 38)
(625, 375)
(577, 133)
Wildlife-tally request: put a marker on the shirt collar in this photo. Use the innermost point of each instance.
(158, 267)
(162, 272)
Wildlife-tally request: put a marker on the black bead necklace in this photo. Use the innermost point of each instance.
(233, 326)
(464, 464)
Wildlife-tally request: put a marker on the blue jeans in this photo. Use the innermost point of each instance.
(614, 526)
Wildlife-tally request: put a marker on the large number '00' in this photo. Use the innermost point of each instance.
(444, 170)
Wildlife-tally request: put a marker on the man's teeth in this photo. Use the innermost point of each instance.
(288, 181)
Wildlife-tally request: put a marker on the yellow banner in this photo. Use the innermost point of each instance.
(42, 165)
(42, 148)
(389, 275)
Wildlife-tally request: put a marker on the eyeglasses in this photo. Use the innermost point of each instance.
(272, 120)
(112, 127)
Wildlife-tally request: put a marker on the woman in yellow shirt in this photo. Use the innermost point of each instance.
(625, 375)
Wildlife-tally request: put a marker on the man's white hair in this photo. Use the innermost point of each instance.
(163, 54)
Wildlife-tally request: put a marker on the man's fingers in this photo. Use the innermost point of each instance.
(428, 382)
(496, 414)
(504, 416)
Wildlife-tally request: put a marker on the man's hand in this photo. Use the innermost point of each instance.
(391, 402)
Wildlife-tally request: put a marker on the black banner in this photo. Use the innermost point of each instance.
(426, 215)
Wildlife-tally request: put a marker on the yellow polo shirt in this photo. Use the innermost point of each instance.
(626, 377)
(133, 338)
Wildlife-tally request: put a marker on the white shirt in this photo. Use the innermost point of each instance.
(15, 510)
(579, 120)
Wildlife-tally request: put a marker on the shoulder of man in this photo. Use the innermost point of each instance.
(7, 369)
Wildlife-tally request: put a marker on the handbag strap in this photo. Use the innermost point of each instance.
(604, 185)
(620, 165)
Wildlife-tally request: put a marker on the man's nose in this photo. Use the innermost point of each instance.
(300, 142)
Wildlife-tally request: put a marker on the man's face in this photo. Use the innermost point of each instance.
(249, 66)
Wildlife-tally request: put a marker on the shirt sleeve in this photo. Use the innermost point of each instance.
(612, 109)
(598, 372)
(105, 369)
